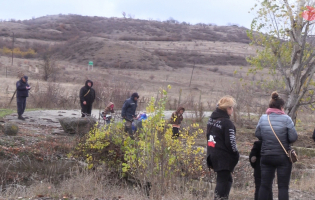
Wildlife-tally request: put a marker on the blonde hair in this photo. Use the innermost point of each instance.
(226, 102)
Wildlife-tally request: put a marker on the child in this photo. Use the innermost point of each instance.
(254, 159)
(108, 110)
(176, 119)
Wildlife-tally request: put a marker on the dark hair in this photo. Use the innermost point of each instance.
(276, 101)
(134, 95)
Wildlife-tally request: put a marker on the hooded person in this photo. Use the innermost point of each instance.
(22, 89)
(222, 153)
(108, 110)
(176, 120)
(128, 112)
(87, 97)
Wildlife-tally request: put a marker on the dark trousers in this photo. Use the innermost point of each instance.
(175, 132)
(128, 128)
(86, 110)
(224, 184)
(257, 175)
(21, 105)
(269, 165)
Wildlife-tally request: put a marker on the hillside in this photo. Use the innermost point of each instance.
(127, 43)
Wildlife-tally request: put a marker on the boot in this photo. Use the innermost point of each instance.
(21, 118)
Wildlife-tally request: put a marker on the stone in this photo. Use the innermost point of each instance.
(10, 128)
(79, 126)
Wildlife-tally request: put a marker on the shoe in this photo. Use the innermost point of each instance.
(21, 118)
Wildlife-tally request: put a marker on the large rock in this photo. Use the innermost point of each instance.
(10, 128)
(77, 125)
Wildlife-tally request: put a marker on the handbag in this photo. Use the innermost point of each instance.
(291, 153)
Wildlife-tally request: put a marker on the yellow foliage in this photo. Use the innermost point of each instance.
(17, 51)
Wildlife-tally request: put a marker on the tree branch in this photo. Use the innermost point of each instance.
(306, 86)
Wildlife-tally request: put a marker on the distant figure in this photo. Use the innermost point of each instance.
(87, 97)
(222, 153)
(128, 112)
(108, 110)
(273, 157)
(22, 89)
(314, 135)
(254, 159)
(176, 120)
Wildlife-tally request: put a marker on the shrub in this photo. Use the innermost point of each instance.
(154, 159)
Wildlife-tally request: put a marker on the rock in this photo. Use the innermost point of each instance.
(10, 129)
(79, 126)
(57, 132)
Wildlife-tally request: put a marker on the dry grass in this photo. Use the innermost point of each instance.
(85, 184)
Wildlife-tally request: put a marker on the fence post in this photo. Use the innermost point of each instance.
(180, 95)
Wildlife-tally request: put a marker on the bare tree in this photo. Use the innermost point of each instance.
(49, 66)
(124, 14)
(288, 49)
(131, 16)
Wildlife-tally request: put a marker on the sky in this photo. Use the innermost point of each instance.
(220, 12)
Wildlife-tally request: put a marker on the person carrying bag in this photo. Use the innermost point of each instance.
(276, 139)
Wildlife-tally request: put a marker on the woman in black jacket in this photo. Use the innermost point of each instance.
(222, 153)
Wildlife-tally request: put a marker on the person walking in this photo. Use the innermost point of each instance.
(176, 119)
(128, 112)
(87, 97)
(273, 156)
(254, 159)
(222, 153)
(22, 89)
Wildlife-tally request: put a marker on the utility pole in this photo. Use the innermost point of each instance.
(6, 67)
(192, 73)
(12, 46)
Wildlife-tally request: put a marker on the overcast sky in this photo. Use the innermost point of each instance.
(220, 12)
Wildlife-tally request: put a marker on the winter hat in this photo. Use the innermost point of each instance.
(134, 95)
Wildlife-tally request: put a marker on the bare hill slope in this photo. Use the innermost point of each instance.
(127, 43)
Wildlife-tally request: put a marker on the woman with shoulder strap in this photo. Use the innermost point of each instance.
(273, 157)
(222, 153)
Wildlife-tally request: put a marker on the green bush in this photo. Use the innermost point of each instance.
(154, 158)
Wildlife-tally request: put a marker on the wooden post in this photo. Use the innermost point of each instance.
(180, 95)
(192, 73)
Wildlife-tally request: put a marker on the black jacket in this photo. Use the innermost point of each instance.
(222, 153)
(87, 93)
(255, 152)
(314, 135)
(128, 110)
(21, 90)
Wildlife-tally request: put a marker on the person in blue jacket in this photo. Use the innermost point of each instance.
(273, 157)
(128, 112)
(22, 89)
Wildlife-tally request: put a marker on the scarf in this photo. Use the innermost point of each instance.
(274, 110)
